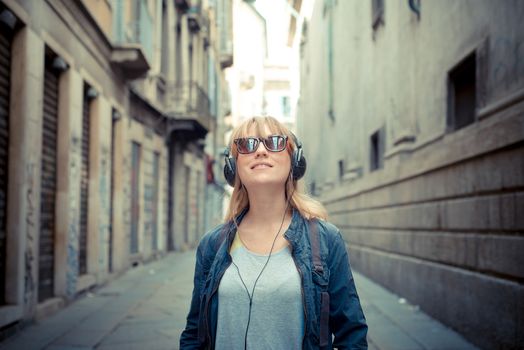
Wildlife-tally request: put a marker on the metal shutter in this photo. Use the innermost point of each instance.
(154, 210)
(5, 73)
(187, 178)
(84, 187)
(135, 195)
(112, 189)
(48, 185)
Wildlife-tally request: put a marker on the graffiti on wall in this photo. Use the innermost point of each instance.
(148, 209)
(126, 194)
(508, 68)
(74, 219)
(30, 229)
(104, 219)
(507, 52)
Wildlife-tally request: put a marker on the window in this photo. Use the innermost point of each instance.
(286, 108)
(462, 93)
(164, 55)
(178, 55)
(377, 11)
(377, 143)
(341, 169)
(313, 188)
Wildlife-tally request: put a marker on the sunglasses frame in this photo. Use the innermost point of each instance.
(259, 140)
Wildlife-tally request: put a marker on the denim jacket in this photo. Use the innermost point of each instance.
(331, 304)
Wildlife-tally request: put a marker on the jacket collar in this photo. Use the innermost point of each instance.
(293, 233)
(296, 230)
(231, 227)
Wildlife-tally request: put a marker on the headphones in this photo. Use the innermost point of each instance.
(298, 163)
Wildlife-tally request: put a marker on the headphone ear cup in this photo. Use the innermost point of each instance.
(299, 166)
(230, 170)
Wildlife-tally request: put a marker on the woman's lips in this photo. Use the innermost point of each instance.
(261, 166)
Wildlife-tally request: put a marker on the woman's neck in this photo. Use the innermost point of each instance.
(266, 209)
(262, 229)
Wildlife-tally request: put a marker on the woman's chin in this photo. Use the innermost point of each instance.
(264, 181)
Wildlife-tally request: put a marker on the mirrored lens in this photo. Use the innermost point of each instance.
(247, 144)
(275, 143)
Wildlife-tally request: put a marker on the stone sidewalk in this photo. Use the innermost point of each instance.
(147, 306)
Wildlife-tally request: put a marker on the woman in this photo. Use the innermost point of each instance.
(275, 275)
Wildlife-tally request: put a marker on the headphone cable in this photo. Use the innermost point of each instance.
(250, 295)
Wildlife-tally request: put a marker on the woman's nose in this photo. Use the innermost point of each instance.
(261, 150)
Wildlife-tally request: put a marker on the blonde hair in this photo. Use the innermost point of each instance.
(307, 206)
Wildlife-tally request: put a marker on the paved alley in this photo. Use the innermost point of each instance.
(146, 309)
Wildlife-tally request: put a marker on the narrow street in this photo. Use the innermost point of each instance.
(146, 308)
(143, 309)
(119, 117)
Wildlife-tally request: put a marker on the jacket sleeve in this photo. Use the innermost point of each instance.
(189, 337)
(346, 319)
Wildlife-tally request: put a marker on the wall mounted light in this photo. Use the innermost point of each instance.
(116, 115)
(8, 18)
(91, 93)
(59, 64)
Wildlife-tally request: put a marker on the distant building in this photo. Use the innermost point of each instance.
(277, 93)
(109, 114)
(260, 78)
(279, 72)
(246, 76)
(411, 115)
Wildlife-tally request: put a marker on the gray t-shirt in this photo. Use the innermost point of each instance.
(277, 316)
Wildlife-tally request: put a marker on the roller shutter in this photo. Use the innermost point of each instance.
(84, 187)
(111, 208)
(156, 189)
(5, 73)
(135, 195)
(48, 184)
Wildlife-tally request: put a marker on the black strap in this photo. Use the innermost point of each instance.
(314, 238)
(324, 320)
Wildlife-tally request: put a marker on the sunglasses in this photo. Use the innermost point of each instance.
(273, 143)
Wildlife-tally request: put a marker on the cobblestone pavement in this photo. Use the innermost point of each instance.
(146, 309)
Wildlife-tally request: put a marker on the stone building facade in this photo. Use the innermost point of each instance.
(109, 111)
(411, 115)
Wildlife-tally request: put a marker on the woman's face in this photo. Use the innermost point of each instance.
(263, 167)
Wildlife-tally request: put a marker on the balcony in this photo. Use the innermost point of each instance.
(189, 111)
(131, 59)
(133, 40)
(226, 54)
(225, 35)
(196, 19)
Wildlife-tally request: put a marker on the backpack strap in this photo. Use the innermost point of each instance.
(314, 238)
